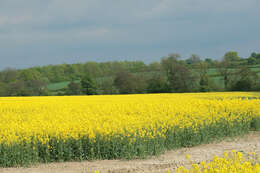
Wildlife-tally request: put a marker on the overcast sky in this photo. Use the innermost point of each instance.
(41, 32)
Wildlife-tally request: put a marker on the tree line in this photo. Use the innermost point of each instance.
(171, 74)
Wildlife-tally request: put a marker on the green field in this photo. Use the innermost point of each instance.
(57, 86)
(61, 85)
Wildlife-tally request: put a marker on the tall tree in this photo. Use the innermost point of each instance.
(202, 69)
(127, 83)
(88, 85)
(253, 55)
(18, 88)
(73, 89)
(179, 77)
(168, 63)
(209, 61)
(194, 59)
(154, 66)
(231, 56)
(3, 89)
(224, 68)
(107, 86)
(8, 75)
(251, 61)
(157, 84)
(254, 59)
(244, 79)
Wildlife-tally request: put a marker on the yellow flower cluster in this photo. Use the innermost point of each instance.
(235, 162)
(25, 119)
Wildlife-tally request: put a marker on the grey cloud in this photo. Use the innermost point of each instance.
(53, 31)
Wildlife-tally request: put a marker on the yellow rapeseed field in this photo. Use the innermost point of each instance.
(235, 162)
(39, 120)
(63, 117)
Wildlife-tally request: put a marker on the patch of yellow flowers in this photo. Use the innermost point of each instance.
(235, 162)
(25, 119)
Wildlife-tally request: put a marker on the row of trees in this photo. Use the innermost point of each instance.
(69, 72)
(174, 75)
(22, 83)
(171, 74)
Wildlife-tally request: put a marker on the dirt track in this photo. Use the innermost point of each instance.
(168, 161)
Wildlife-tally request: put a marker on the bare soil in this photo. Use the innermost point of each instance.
(170, 160)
